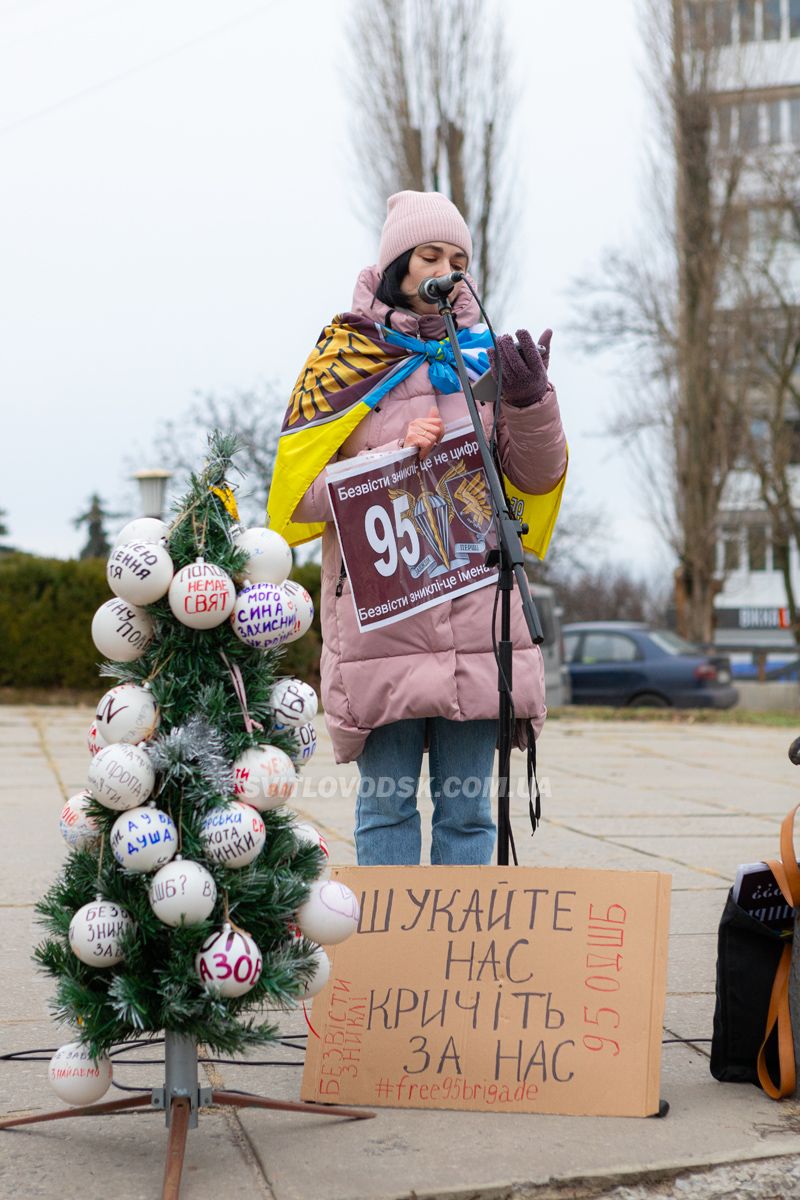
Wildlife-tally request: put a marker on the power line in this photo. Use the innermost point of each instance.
(71, 23)
(29, 118)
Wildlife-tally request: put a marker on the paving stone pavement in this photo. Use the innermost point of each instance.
(692, 801)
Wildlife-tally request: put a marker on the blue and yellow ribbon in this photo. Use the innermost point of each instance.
(354, 365)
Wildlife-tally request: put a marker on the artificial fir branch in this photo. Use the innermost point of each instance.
(202, 731)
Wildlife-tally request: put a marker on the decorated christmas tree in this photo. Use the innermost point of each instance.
(192, 899)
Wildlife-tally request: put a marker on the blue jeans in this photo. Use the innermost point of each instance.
(461, 755)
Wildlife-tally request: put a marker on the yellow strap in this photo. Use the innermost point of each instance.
(789, 859)
(787, 875)
(778, 1014)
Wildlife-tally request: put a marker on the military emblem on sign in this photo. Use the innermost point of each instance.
(430, 513)
(459, 493)
(469, 495)
(432, 516)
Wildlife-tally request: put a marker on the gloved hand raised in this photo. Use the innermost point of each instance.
(524, 370)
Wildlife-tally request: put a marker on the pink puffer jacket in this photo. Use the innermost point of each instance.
(440, 661)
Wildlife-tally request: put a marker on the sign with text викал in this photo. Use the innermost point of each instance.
(413, 533)
(496, 989)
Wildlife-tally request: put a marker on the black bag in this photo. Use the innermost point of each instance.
(748, 956)
(752, 1040)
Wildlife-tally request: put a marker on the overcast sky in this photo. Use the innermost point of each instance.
(177, 213)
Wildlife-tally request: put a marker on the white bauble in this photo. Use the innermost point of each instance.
(265, 777)
(96, 932)
(228, 963)
(95, 740)
(77, 827)
(308, 835)
(293, 702)
(305, 609)
(330, 914)
(322, 971)
(233, 835)
(139, 572)
(143, 529)
(76, 1077)
(306, 738)
(121, 631)
(269, 557)
(121, 776)
(264, 615)
(202, 595)
(143, 839)
(126, 713)
(182, 893)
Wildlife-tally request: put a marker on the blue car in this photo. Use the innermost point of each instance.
(619, 663)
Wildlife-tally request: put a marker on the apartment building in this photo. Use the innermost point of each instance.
(757, 116)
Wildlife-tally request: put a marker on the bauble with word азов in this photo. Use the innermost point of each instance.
(229, 962)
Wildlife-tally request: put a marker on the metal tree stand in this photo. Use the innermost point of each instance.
(181, 1097)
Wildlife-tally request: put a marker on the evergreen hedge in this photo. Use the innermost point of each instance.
(46, 610)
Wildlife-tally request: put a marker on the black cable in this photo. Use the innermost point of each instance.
(684, 1041)
(41, 1055)
(493, 450)
(496, 652)
(44, 1054)
(498, 362)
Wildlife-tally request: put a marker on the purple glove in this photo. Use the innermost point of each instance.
(524, 369)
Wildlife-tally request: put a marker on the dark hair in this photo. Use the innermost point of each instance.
(390, 290)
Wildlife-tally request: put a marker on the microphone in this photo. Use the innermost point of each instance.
(434, 289)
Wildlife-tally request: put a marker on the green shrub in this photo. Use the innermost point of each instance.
(46, 610)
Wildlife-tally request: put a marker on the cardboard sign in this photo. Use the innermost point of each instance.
(503, 990)
(413, 534)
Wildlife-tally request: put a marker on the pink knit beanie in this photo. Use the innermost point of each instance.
(416, 217)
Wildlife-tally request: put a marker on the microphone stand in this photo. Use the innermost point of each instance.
(510, 559)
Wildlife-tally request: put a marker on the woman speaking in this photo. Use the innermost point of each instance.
(381, 377)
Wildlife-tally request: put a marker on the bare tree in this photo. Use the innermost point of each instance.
(577, 540)
(433, 94)
(254, 415)
(611, 591)
(672, 303)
